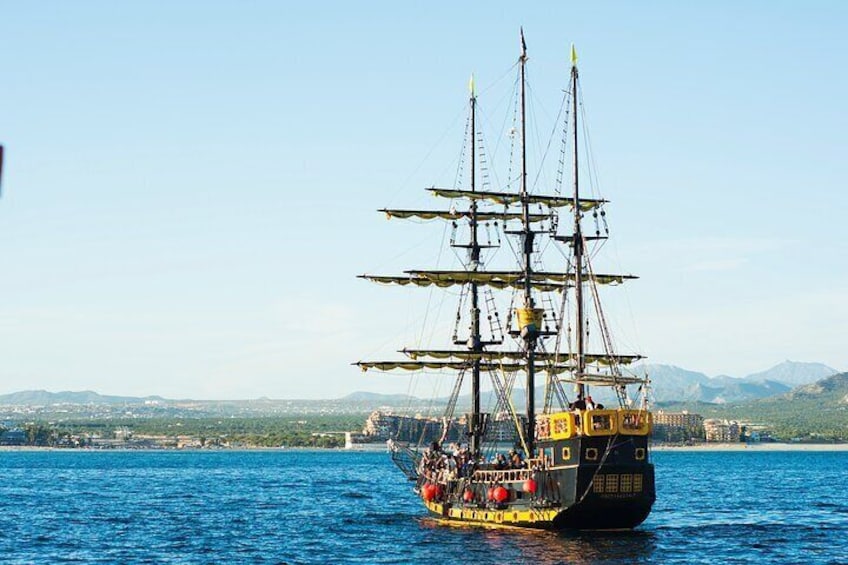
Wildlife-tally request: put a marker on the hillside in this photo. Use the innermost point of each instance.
(817, 410)
(45, 398)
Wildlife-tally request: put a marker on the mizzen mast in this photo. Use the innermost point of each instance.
(577, 243)
(529, 332)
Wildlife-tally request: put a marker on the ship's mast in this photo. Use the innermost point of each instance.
(474, 343)
(577, 239)
(527, 235)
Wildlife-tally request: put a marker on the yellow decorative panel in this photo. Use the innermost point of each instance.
(634, 422)
(562, 425)
(600, 422)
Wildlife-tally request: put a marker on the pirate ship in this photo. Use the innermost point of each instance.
(571, 463)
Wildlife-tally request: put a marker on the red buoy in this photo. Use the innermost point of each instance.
(468, 495)
(428, 492)
(500, 494)
(530, 486)
(490, 494)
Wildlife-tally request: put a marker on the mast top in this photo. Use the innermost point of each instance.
(523, 57)
(472, 88)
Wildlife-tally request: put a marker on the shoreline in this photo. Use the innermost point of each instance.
(775, 446)
(360, 448)
(377, 447)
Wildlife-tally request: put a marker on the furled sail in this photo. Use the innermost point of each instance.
(549, 368)
(468, 355)
(507, 198)
(545, 281)
(458, 215)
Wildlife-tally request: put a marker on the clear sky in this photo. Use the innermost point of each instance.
(189, 186)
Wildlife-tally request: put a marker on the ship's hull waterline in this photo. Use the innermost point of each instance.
(613, 490)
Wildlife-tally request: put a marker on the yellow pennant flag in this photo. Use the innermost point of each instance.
(471, 85)
(573, 55)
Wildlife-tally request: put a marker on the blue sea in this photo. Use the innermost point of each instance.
(348, 507)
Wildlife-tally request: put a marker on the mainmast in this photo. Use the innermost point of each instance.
(531, 333)
(577, 241)
(474, 343)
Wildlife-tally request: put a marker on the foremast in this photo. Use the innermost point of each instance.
(475, 342)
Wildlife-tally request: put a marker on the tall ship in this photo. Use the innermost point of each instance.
(573, 454)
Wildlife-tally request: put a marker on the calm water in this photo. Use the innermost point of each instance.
(330, 507)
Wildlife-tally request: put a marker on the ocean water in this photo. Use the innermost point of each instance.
(347, 507)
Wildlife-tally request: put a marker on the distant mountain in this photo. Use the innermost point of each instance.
(828, 392)
(670, 383)
(90, 402)
(738, 390)
(45, 398)
(793, 373)
(673, 383)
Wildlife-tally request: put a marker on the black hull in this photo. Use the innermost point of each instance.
(597, 512)
(613, 492)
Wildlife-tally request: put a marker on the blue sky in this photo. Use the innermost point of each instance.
(189, 187)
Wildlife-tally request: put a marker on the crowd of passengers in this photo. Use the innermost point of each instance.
(457, 462)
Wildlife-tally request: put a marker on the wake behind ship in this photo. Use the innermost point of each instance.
(573, 463)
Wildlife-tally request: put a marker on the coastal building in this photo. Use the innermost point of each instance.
(382, 425)
(379, 425)
(502, 429)
(13, 437)
(724, 431)
(678, 427)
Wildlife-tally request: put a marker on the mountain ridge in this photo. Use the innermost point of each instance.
(670, 383)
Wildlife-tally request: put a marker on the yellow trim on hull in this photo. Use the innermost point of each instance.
(471, 524)
(493, 518)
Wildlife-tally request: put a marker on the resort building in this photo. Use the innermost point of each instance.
(724, 431)
(678, 427)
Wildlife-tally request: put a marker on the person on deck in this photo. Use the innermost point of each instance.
(515, 460)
